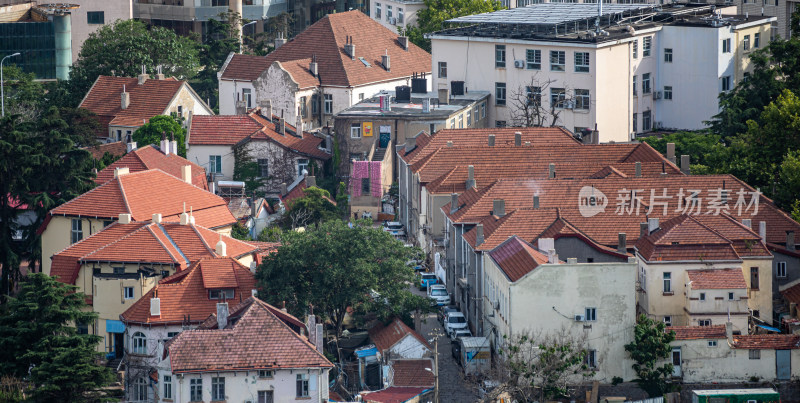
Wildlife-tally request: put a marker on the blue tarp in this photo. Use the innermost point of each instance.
(367, 352)
(771, 329)
(115, 326)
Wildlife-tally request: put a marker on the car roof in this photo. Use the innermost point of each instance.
(437, 286)
(429, 274)
(457, 314)
(392, 223)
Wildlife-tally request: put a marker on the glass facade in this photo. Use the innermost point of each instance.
(36, 43)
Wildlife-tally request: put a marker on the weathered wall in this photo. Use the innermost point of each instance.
(571, 247)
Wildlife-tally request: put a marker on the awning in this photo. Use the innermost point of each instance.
(115, 326)
(366, 352)
(770, 328)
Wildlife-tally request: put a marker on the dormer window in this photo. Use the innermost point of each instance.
(223, 293)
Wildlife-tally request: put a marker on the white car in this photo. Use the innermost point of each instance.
(438, 293)
(460, 333)
(394, 228)
(455, 321)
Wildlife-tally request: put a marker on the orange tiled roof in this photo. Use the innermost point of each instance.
(387, 336)
(516, 258)
(147, 100)
(393, 394)
(254, 339)
(767, 341)
(409, 373)
(117, 148)
(150, 157)
(325, 40)
(145, 193)
(792, 294)
(698, 332)
(716, 279)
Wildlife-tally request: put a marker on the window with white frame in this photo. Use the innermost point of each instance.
(500, 94)
(780, 270)
(581, 62)
(302, 165)
(77, 230)
(712, 343)
(667, 55)
(453, 123)
(328, 104)
(218, 388)
(755, 354)
(667, 92)
(378, 11)
(756, 40)
(591, 358)
(533, 59)
(215, 164)
(704, 322)
(647, 45)
(746, 42)
(726, 45)
(167, 380)
(557, 97)
(460, 121)
(263, 167)
(265, 373)
(139, 343)
(635, 91)
(388, 13)
(221, 293)
(302, 385)
(591, 314)
(469, 117)
(266, 396)
(667, 281)
(442, 69)
(196, 390)
(668, 320)
(400, 15)
(483, 110)
(500, 56)
(303, 107)
(246, 97)
(646, 83)
(582, 99)
(726, 83)
(534, 95)
(647, 120)
(635, 48)
(355, 130)
(139, 390)
(127, 292)
(558, 60)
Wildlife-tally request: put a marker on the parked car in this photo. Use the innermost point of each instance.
(438, 295)
(427, 279)
(460, 333)
(394, 228)
(444, 312)
(455, 321)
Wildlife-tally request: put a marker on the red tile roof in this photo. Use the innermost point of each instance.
(150, 157)
(147, 100)
(117, 148)
(387, 336)
(516, 258)
(716, 279)
(254, 339)
(792, 294)
(412, 373)
(145, 193)
(393, 394)
(698, 332)
(767, 341)
(325, 39)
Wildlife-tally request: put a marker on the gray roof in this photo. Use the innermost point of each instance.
(550, 13)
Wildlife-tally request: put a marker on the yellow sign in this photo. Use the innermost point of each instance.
(367, 129)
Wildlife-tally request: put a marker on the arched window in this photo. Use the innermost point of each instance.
(139, 343)
(139, 390)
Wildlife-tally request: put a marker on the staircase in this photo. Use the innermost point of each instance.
(114, 364)
(379, 154)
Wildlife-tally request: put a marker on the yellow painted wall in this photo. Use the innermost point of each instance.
(58, 234)
(743, 56)
(761, 298)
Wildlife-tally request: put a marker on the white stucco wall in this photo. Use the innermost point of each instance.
(408, 347)
(410, 10)
(199, 154)
(228, 91)
(721, 363)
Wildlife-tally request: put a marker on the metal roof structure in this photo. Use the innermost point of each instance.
(551, 13)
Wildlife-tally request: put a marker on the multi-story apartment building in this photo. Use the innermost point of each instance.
(396, 14)
(191, 16)
(641, 68)
(781, 10)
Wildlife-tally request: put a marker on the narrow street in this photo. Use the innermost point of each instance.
(452, 385)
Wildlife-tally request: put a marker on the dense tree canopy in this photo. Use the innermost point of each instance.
(649, 349)
(315, 206)
(169, 126)
(432, 17)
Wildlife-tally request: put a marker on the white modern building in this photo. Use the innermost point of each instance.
(396, 15)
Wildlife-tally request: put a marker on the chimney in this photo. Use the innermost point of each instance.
(173, 145)
(185, 218)
(545, 244)
(552, 256)
(747, 223)
(790, 240)
(318, 342)
(622, 242)
(186, 173)
(517, 139)
(685, 164)
(221, 249)
(449, 143)
(527, 144)
(156, 218)
(444, 96)
(499, 207)
(470, 177)
(159, 74)
(552, 173)
(643, 230)
(411, 142)
(453, 202)
(266, 109)
(121, 171)
(279, 42)
(282, 125)
(762, 231)
(350, 48)
(403, 42)
(124, 218)
(311, 181)
(386, 62)
(313, 67)
(491, 140)
(155, 306)
(143, 77)
(164, 146)
(253, 292)
(130, 145)
(253, 267)
(729, 332)
(652, 225)
(284, 189)
(638, 169)
(222, 314)
(671, 152)
(126, 98)
(328, 143)
(298, 127)
(535, 201)
(479, 235)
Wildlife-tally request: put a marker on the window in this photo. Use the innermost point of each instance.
(365, 185)
(558, 60)
(265, 373)
(302, 165)
(582, 99)
(127, 292)
(635, 122)
(756, 313)
(328, 104)
(218, 388)
(83, 328)
(702, 296)
(77, 230)
(469, 118)
(460, 121)
(139, 343)
(118, 270)
(667, 282)
(635, 49)
(591, 359)
(196, 390)
(667, 55)
(500, 56)
(557, 97)
(453, 123)
(668, 321)
(667, 92)
(500, 94)
(400, 15)
(746, 42)
(442, 69)
(475, 113)
(591, 314)
(726, 45)
(635, 92)
(781, 270)
(647, 122)
(263, 167)
(756, 40)
(355, 130)
(646, 83)
(754, 278)
(106, 223)
(315, 105)
(246, 97)
(266, 396)
(704, 322)
(302, 385)
(215, 164)
(483, 110)
(361, 96)
(170, 335)
(534, 95)
(139, 390)
(167, 387)
(304, 106)
(712, 343)
(581, 62)
(589, 260)
(647, 43)
(755, 354)
(388, 13)
(499, 123)
(533, 59)
(224, 294)
(730, 296)
(726, 83)
(378, 10)
(95, 17)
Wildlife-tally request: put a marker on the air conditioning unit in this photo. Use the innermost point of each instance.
(657, 95)
(520, 64)
(578, 318)
(497, 305)
(394, 21)
(569, 105)
(659, 125)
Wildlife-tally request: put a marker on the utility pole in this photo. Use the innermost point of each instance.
(436, 334)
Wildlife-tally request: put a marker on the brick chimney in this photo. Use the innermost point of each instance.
(143, 77)
(499, 207)
(121, 171)
(790, 243)
(124, 218)
(173, 144)
(685, 164)
(386, 62)
(280, 41)
(638, 169)
(453, 202)
(652, 225)
(164, 146)
(643, 230)
(479, 235)
(311, 181)
(411, 142)
(517, 139)
(671, 152)
(156, 218)
(126, 98)
(159, 74)
(470, 177)
(622, 242)
(350, 48)
(313, 67)
(221, 248)
(403, 40)
(222, 315)
(491, 140)
(762, 231)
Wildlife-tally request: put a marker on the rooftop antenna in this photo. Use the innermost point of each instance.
(184, 207)
(599, 15)
(143, 70)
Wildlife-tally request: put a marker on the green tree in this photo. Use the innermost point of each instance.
(23, 95)
(432, 17)
(246, 169)
(272, 233)
(651, 345)
(709, 153)
(37, 338)
(332, 266)
(152, 131)
(240, 232)
(123, 47)
(315, 206)
(221, 40)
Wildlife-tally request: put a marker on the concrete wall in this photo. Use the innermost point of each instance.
(199, 154)
(570, 247)
(229, 92)
(742, 58)
(81, 29)
(723, 364)
(410, 10)
(792, 270)
(58, 234)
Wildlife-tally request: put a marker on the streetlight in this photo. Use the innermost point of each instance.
(241, 38)
(2, 89)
